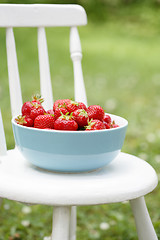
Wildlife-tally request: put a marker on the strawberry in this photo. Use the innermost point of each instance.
(95, 112)
(95, 124)
(115, 125)
(72, 106)
(65, 115)
(37, 99)
(107, 125)
(26, 108)
(82, 106)
(107, 119)
(66, 125)
(25, 121)
(58, 112)
(60, 103)
(65, 122)
(44, 121)
(50, 111)
(81, 117)
(39, 110)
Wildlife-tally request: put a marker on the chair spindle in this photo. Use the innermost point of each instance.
(3, 147)
(13, 73)
(76, 56)
(45, 78)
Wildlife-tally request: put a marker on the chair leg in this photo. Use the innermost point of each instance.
(61, 223)
(145, 229)
(73, 223)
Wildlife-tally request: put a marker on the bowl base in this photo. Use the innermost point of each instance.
(65, 172)
(69, 163)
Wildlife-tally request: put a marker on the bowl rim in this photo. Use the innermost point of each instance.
(75, 132)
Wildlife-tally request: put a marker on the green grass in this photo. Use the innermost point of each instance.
(121, 70)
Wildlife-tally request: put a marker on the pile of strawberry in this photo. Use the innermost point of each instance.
(66, 115)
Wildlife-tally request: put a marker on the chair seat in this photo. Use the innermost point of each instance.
(126, 178)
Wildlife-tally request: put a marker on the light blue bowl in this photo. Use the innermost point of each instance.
(70, 151)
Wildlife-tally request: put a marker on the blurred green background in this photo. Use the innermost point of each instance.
(121, 67)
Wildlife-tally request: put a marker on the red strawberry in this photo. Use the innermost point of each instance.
(36, 112)
(60, 103)
(114, 125)
(81, 117)
(37, 99)
(107, 118)
(58, 112)
(44, 121)
(25, 121)
(26, 108)
(65, 122)
(107, 121)
(73, 106)
(82, 106)
(66, 125)
(107, 125)
(95, 124)
(50, 112)
(95, 112)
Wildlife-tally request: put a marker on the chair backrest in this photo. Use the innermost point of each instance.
(41, 16)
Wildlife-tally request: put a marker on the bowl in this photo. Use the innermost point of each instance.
(70, 151)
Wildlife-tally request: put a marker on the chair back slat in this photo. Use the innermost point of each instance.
(44, 15)
(13, 73)
(3, 148)
(45, 78)
(76, 56)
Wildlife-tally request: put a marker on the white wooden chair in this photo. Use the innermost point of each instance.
(126, 178)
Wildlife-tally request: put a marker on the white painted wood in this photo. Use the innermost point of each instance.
(61, 221)
(143, 222)
(124, 179)
(36, 15)
(76, 56)
(73, 223)
(13, 73)
(45, 78)
(3, 147)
